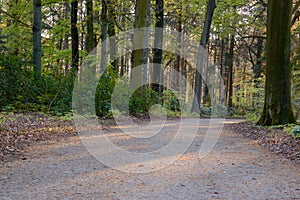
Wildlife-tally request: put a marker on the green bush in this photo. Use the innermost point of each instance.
(104, 92)
(215, 110)
(19, 91)
(14, 81)
(219, 110)
(206, 111)
(170, 100)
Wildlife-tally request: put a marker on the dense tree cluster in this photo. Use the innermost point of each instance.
(43, 44)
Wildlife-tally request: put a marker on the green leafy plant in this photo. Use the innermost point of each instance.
(170, 100)
(296, 131)
(104, 91)
(293, 129)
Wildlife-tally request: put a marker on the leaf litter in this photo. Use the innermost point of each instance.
(19, 130)
(275, 139)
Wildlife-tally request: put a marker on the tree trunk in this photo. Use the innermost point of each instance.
(200, 61)
(74, 36)
(257, 70)
(258, 66)
(112, 32)
(66, 37)
(37, 38)
(139, 57)
(222, 47)
(158, 43)
(178, 57)
(104, 29)
(123, 64)
(90, 37)
(230, 72)
(277, 106)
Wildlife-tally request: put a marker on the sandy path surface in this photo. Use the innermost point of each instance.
(237, 168)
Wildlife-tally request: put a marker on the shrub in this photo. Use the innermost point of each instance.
(170, 100)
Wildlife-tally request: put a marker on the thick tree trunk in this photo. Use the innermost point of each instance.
(74, 36)
(200, 61)
(139, 57)
(158, 43)
(277, 107)
(37, 38)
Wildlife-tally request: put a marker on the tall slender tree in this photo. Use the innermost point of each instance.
(90, 36)
(177, 61)
(74, 35)
(158, 43)
(112, 32)
(277, 106)
(37, 38)
(211, 5)
(104, 28)
(230, 72)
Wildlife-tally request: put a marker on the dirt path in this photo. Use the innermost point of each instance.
(237, 168)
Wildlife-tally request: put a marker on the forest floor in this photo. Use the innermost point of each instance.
(44, 158)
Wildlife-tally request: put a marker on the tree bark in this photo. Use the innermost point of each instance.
(90, 37)
(257, 70)
(66, 37)
(277, 107)
(104, 29)
(178, 51)
(139, 57)
(37, 38)
(230, 72)
(158, 43)
(200, 61)
(258, 66)
(222, 47)
(74, 36)
(112, 32)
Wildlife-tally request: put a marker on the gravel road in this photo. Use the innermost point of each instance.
(237, 168)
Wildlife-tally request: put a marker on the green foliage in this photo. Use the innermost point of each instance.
(215, 110)
(104, 92)
(53, 92)
(296, 131)
(170, 100)
(249, 100)
(141, 101)
(67, 117)
(227, 21)
(20, 92)
(206, 111)
(138, 102)
(292, 129)
(2, 119)
(14, 82)
(219, 110)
